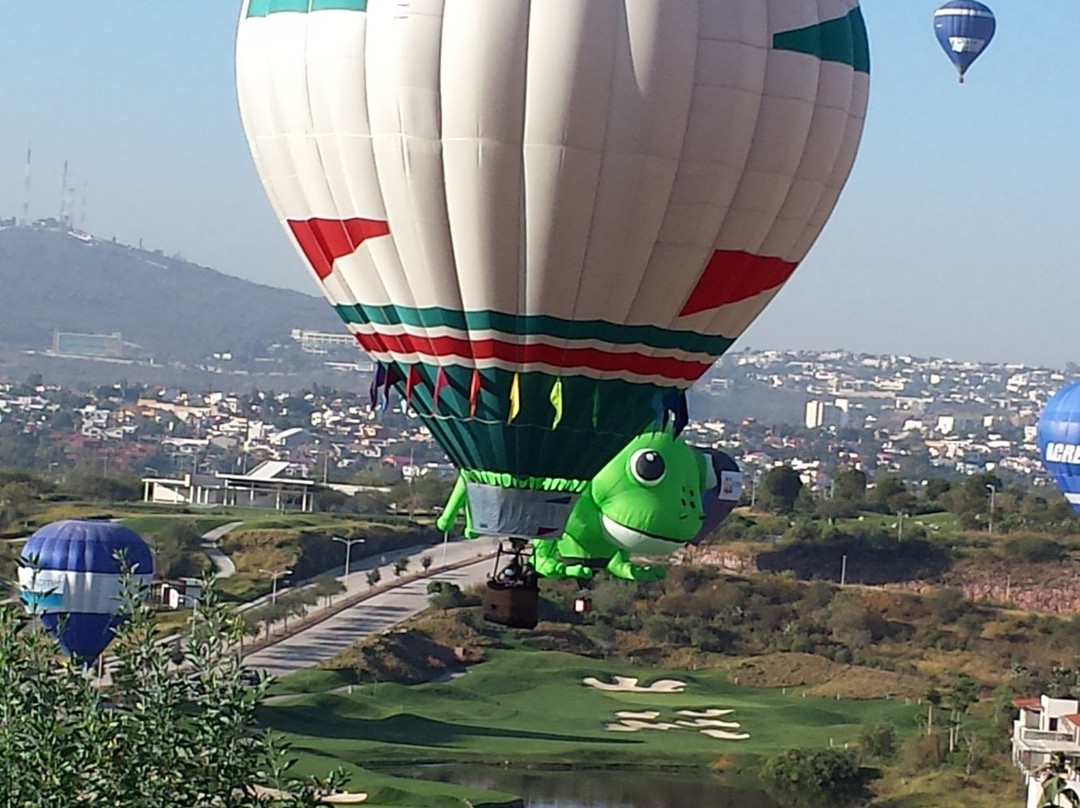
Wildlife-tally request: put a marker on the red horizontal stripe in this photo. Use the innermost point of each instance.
(732, 276)
(326, 240)
(593, 358)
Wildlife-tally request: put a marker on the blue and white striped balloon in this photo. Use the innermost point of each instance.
(1058, 436)
(72, 579)
(964, 29)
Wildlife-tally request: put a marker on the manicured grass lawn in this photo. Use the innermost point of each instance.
(531, 707)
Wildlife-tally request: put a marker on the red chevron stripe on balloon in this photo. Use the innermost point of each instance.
(326, 240)
(733, 276)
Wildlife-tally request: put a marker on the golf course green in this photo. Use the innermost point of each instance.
(532, 708)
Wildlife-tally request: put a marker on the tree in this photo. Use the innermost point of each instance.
(878, 741)
(850, 484)
(445, 595)
(815, 778)
(1054, 778)
(166, 735)
(373, 577)
(326, 586)
(400, 566)
(425, 562)
(780, 489)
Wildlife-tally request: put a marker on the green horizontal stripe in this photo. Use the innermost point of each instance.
(536, 325)
(841, 40)
(264, 8)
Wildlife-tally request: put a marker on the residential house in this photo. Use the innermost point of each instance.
(1046, 727)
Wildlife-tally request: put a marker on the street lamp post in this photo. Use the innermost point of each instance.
(274, 578)
(900, 528)
(348, 549)
(990, 527)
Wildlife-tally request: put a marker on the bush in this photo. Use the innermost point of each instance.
(923, 753)
(878, 741)
(815, 778)
(1034, 550)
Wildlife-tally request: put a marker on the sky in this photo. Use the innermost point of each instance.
(958, 235)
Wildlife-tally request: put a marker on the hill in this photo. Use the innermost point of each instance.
(173, 310)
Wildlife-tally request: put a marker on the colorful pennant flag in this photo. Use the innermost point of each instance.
(377, 382)
(675, 404)
(393, 375)
(441, 381)
(659, 413)
(474, 392)
(515, 398)
(410, 384)
(556, 402)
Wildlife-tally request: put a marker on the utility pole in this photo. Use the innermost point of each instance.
(348, 549)
(63, 196)
(990, 526)
(900, 528)
(843, 571)
(26, 198)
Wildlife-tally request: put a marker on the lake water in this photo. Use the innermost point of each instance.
(601, 789)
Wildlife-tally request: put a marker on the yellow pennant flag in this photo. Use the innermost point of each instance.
(556, 402)
(515, 398)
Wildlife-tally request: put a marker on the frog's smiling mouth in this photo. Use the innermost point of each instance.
(627, 535)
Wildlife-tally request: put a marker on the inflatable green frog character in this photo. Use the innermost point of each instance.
(654, 497)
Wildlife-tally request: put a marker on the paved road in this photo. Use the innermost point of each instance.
(330, 637)
(223, 565)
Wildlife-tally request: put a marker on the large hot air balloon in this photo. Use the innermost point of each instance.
(71, 578)
(1058, 436)
(545, 218)
(964, 28)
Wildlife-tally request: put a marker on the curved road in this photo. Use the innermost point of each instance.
(333, 635)
(223, 565)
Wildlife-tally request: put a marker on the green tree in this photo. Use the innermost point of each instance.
(373, 577)
(1054, 778)
(163, 735)
(850, 484)
(425, 562)
(780, 489)
(401, 565)
(815, 778)
(878, 741)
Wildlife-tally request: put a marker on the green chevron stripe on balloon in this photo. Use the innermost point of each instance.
(264, 8)
(536, 325)
(841, 40)
(599, 419)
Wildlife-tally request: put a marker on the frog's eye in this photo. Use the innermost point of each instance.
(647, 466)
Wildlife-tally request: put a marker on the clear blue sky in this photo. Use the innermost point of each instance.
(958, 235)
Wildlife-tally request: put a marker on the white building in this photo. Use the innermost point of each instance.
(265, 486)
(1046, 727)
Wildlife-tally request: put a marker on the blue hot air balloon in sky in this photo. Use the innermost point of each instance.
(71, 579)
(964, 28)
(1058, 435)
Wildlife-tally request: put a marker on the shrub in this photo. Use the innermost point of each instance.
(815, 778)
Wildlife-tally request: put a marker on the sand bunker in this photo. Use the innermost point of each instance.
(648, 715)
(705, 713)
(333, 799)
(723, 735)
(634, 726)
(624, 684)
(709, 722)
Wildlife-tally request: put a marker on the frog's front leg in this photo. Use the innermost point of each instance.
(549, 564)
(622, 567)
